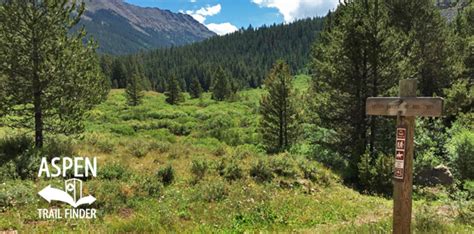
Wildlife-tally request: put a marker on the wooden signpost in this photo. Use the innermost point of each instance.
(406, 107)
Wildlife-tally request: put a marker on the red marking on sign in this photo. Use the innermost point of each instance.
(400, 146)
(399, 155)
(398, 173)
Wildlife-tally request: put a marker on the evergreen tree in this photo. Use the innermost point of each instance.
(50, 77)
(427, 49)
(173, 94)
(221, 89)
(118, 75)
(278, 123)
(195, 89)
(134, 90)
(354, 58)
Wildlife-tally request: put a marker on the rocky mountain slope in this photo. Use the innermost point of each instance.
(122, 28)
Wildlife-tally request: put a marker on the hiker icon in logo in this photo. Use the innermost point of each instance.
(73, 189)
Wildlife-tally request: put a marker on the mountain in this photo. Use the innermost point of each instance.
(449, 8)
(122, 28)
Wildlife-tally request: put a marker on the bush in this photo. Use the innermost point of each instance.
(310, 171)
(160, 146)
(199, 168)
(166, 175)
(58, 146)
(232, 171)
(151, 186)
(466, 212)
(109, 194)
(215, 191)
(376, 177)
(283, 166)
(16, 193)
(123, 130)
(427, 221)
(138, 148)
(261, 172)
(461, 150)
(106, 146)
(13, 146)
(113, 171)
(8, 171)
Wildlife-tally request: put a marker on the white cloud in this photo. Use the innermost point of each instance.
(219, 28)
(222, 29)
(299, 9)
(192, 1)
(200, 15)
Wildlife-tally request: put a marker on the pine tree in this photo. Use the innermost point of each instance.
(134, 90)
(278, 123)
(221, 89)
(195, 89)
(118, 75)
(427, 48)
(50, 77)
(354, 58)
(173, 93)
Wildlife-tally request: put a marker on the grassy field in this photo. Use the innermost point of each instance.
(198, 167)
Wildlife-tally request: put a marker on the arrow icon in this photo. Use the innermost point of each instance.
(54, 194)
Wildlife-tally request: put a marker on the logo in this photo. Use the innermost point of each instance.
(73, 189)
(50, 194)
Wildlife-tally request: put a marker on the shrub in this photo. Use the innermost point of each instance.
(219, 151)
(466, 212)
(160, 146)
(461, 150)
(310, 170)
(376, 177)
(426, 220)
(199, 168)
(215, 191)
(113, 171)
(123, 129)
(108, 193)
(261, 172)
(8, 171)
(58, 146)
(151, 186)
(166, 175)
(13, 146)
(138, 148)
(232, 171)
(16, 193)
(283, 166)
(105, 146)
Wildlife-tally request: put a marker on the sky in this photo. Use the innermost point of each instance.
(226, 16)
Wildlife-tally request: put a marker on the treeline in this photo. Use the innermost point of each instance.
(246, 56)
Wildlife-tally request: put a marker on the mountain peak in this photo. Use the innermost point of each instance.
(123, 28)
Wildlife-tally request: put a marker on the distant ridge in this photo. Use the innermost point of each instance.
(123, 28)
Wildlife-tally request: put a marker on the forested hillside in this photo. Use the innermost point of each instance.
(246, 56)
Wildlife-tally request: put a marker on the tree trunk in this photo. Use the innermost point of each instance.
(37, 90)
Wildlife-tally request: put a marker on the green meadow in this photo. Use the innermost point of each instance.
(198, 167)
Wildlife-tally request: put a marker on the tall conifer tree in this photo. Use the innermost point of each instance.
(278, 124)
(50, 77)
(134, 90)
(195, 89)
(173, 93)
(221, 89)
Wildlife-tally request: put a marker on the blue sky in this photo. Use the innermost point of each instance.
(225, 16)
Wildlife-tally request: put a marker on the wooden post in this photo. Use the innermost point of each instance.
(402, 189)
(406, 107)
